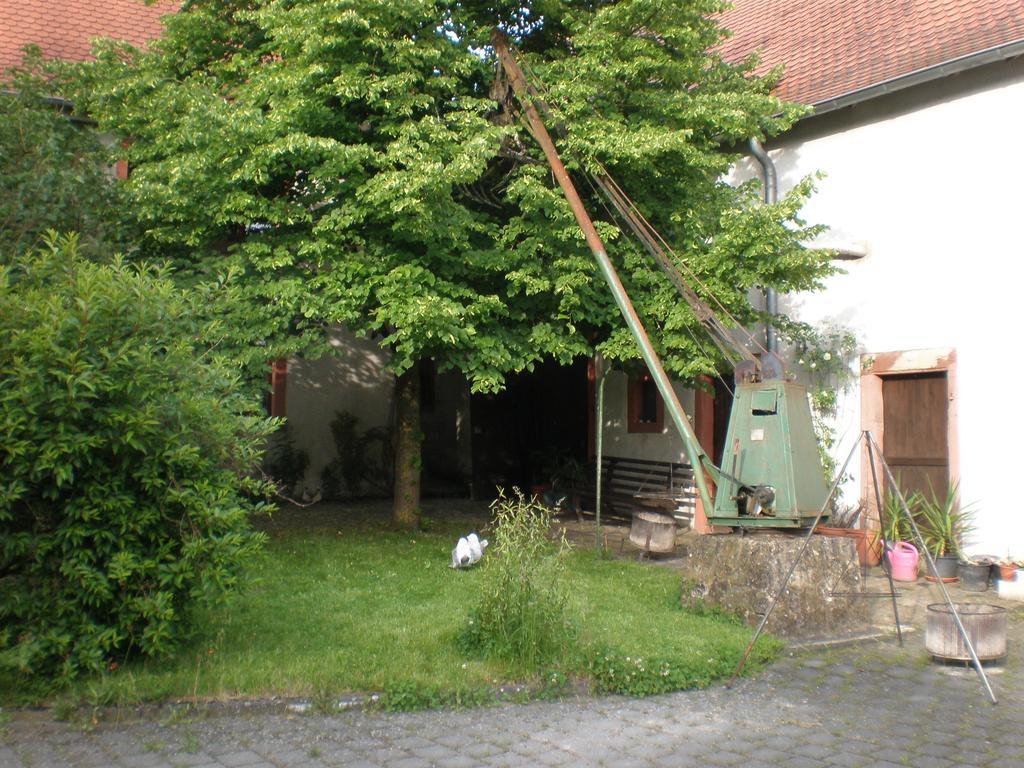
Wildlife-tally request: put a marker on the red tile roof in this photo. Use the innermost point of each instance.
(829, 47)
(64, 28)
(832, 47)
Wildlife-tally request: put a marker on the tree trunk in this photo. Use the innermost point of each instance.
(408, 443)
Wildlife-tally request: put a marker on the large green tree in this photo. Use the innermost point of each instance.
(351, 161)
(51, 171)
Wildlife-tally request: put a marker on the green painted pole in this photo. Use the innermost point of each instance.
(598, 438)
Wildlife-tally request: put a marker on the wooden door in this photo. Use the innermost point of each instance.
(915, 431)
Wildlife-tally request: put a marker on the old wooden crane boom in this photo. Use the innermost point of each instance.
(774, 475)
(698, 459)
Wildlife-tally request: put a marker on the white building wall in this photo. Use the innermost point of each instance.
(935, 194)
(654, 446)
(353, 379)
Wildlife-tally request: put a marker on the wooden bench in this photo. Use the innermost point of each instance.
(635, 485)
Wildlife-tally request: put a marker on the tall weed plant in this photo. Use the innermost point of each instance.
(525, 616)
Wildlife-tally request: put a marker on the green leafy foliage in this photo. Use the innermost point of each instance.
(350, 161)
(126, 464)
(524, 615)
(896, 525)
(944, 523)
(52, 174)
(614, 672)
(824, 357)
(283, 462)
(411, 696)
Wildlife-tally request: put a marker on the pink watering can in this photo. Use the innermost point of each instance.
(903, 561)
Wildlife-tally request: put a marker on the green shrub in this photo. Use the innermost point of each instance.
(524, 616)
(283, 463)
(126, 464)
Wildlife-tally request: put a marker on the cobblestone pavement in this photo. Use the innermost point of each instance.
(872, 704)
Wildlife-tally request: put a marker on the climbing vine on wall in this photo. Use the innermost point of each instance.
(824, 357)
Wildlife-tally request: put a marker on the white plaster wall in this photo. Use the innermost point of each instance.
(936, 194)
(352, 379)
(618, 441)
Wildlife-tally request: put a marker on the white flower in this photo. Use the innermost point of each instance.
(827, 356)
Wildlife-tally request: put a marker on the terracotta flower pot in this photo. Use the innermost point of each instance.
(867, 542)
(1007, 572)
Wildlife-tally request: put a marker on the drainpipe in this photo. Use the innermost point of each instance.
(771, 195)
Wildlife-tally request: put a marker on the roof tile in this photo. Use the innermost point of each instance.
(828, 47)
(64, 29)
(832, 47)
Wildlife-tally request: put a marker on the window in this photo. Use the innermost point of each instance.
(645, 411)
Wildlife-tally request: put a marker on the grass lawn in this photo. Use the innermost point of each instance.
(339, 603)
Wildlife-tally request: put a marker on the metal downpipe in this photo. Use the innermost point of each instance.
(771, 196)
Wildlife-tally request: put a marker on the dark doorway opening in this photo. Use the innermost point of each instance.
(723, 409)
(444, 421)
(520, 430)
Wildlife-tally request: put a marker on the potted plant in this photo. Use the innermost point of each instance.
(974, 573)
(1006, 569)
(562, 473)
(901, 554)
(944, 525)
(895, 526)
(867, 541)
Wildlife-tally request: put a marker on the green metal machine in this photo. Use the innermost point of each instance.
(772, 475)
(771, 471)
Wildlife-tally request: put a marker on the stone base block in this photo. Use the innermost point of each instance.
(741, 573)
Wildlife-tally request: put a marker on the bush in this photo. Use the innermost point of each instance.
(524, 616)
(126, 464)
(283, 463)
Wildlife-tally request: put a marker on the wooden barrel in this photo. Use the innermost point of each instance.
(653, 532)
(985, 625)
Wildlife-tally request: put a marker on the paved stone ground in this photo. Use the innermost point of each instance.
(872, 704)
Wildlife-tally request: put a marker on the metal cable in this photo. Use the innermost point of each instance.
(681, 261)
(701, 345)
(656, 246)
